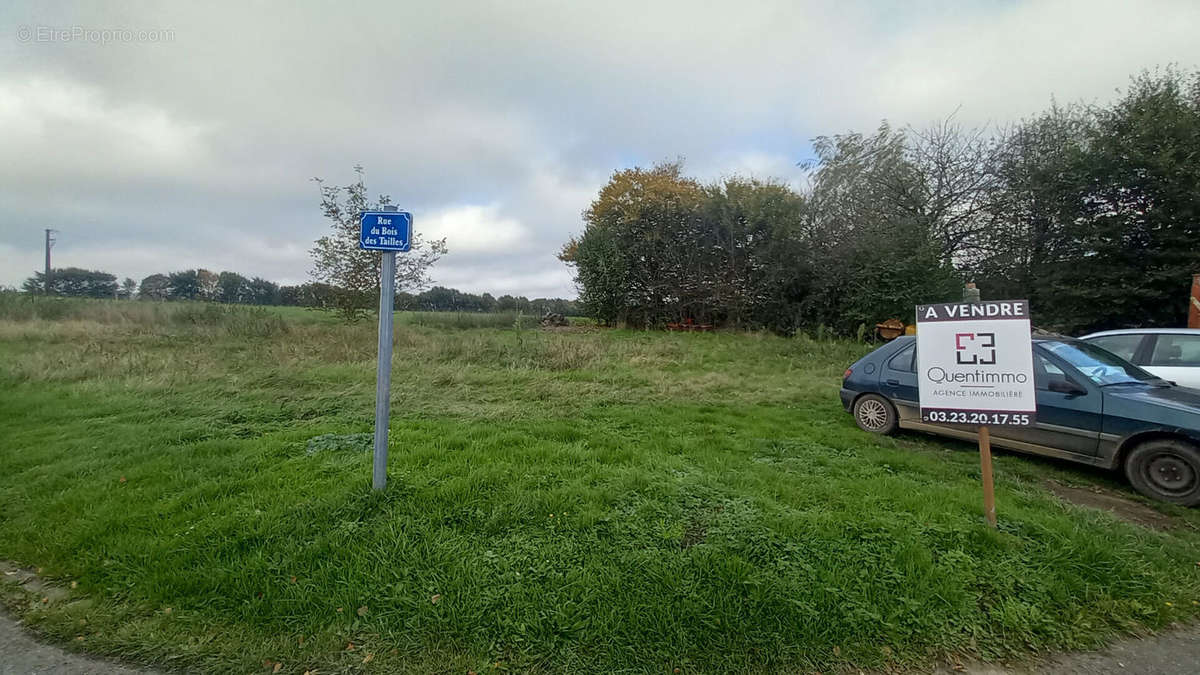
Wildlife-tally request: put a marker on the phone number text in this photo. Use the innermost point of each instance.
(966, 417)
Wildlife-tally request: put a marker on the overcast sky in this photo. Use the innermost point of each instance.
(191, 140)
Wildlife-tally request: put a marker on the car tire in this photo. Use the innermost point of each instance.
(1167, 470)
(875, 414)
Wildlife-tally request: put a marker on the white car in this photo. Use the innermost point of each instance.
(1170, 353)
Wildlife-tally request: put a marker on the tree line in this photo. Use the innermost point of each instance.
(233, 288)
(351, 275)
(1089, 211)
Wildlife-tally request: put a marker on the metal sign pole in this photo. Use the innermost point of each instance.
(388, 230)
(383, 376)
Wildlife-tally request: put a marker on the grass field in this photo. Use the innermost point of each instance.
(559, 501)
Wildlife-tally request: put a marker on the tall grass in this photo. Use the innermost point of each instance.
(233, 319)
(210, 318)
(468, 320)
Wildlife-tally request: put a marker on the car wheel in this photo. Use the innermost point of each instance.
(875, 414)
(1167, 470)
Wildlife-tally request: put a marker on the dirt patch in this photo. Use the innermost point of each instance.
(574, 328)
(21, 652)
(695, 533)
(1168, 653)
(1121, 507)
(24, 584)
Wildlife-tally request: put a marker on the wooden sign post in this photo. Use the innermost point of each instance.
(985, 466)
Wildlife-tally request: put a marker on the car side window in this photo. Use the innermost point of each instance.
(1124, 346)
(1176, 350)
(905, 361)
(1045, 372)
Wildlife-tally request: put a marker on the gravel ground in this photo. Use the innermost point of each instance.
(1175, 652)
(1172, 652)
(21, 654)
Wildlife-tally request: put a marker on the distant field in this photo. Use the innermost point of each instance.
(578, 500)
(22, 307)
(449, 320)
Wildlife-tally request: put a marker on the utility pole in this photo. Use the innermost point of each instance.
(49, 242)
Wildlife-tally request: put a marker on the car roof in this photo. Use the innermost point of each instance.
(1143, 331)
(1045, 337)
(1035, 338)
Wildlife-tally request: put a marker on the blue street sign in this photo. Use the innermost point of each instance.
(385, 231)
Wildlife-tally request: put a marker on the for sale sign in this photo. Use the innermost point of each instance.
(976, 363)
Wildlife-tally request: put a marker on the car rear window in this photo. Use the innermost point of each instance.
(1176, 350)
(904, 361)
(1124, 346)
(1100, 365)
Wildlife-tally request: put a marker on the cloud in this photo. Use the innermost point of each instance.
(495, 123)
(474, 229)
(65, 129)
(542, 281)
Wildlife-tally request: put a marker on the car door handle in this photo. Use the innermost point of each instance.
(893, 381)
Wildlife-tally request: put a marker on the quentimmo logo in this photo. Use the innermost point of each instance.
(978, 377)
(975, 349)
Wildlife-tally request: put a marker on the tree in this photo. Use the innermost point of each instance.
(509, 303)
(74, 282)
(355, 273)
(185, 285)
(1140, 220)
(262, 292)
(862, 246)
(311, 294)
(759, 276)
(638, 259)
(878, 244)
(406, 301)
(1042, 171)
(957, 186)
(1090, 212)
(128, 288)
(208, 284)
(155, 287)
(555, 305)
(232, 288)
(1099, 210)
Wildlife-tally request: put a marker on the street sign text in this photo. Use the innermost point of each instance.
(385, 231)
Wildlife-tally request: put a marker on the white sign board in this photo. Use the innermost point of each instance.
(976, 363)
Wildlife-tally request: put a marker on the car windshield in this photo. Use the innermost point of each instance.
(1099, 365)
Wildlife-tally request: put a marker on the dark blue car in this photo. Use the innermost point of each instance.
(1092, 407)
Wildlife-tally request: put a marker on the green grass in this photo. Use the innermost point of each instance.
(582, 501)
